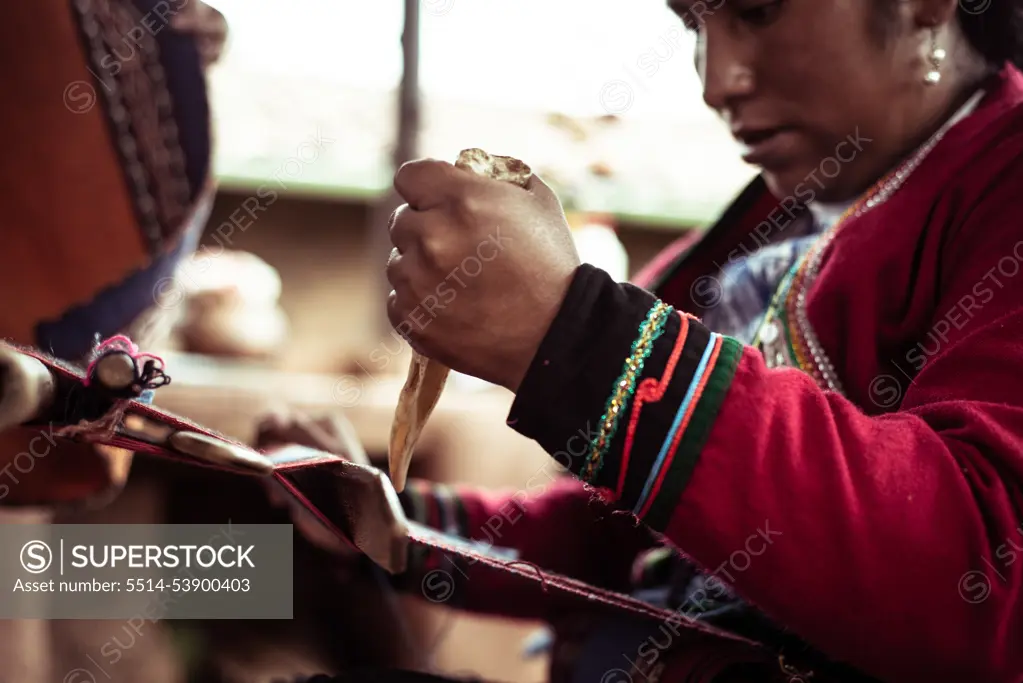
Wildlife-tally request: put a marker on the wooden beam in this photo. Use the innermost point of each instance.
(406, 148)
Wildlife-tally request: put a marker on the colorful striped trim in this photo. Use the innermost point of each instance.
(452, 519)
(787, 315)
(674, 477)
(438, 507)
(651, 433)
(650, 330)
(651, 390)
(789, 341)
(682, 417)
(413, 500)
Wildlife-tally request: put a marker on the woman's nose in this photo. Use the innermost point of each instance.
(725, 75)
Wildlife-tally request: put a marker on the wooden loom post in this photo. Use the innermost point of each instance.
(406, 147)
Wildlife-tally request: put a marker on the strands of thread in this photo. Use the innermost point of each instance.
(539, 572)
(118, 371)
(601, 494)
(148, 367)
(563, 584)
(117, 343)
(97, 431)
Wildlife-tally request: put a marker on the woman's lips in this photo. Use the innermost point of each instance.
(767, 147)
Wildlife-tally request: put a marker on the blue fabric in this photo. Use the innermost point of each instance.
(186, 82)
(748, 285)
(71, 336)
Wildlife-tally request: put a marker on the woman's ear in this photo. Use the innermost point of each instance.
(931, 13)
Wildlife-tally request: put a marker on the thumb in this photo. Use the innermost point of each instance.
(543, 192)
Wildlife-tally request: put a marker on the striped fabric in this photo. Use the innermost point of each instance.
(648, 468)
(438, 507)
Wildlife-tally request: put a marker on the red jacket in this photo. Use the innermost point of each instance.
(882, 523)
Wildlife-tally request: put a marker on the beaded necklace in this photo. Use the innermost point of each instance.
(785, 336)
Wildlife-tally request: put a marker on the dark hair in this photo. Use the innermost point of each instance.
(994, 28)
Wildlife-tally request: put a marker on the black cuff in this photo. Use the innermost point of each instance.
(681, 374)
(563, 395)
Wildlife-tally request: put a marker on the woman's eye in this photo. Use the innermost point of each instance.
(761, 14)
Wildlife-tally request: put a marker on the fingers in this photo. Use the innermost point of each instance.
(271, 429)
(406, 227)
(409, 258)
(405, 321)
(349, 438)
(396, 315)
(330, 433)
(429, 183)
(396, 267)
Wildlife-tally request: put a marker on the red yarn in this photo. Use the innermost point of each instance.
(650, 390)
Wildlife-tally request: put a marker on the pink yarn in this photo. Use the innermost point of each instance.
(104, 429)
(121, 343)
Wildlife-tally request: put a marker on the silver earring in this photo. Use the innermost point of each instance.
(936, 56)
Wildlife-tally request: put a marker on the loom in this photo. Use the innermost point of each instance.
(357, 503)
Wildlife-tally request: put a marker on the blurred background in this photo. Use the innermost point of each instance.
(314, 103)
(599, 97)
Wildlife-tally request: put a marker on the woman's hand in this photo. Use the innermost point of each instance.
(479, 270)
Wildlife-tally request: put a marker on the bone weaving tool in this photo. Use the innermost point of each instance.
(426, 377)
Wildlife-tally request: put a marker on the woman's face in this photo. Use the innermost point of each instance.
(820, 101)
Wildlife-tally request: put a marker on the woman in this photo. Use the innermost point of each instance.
(835, 441)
